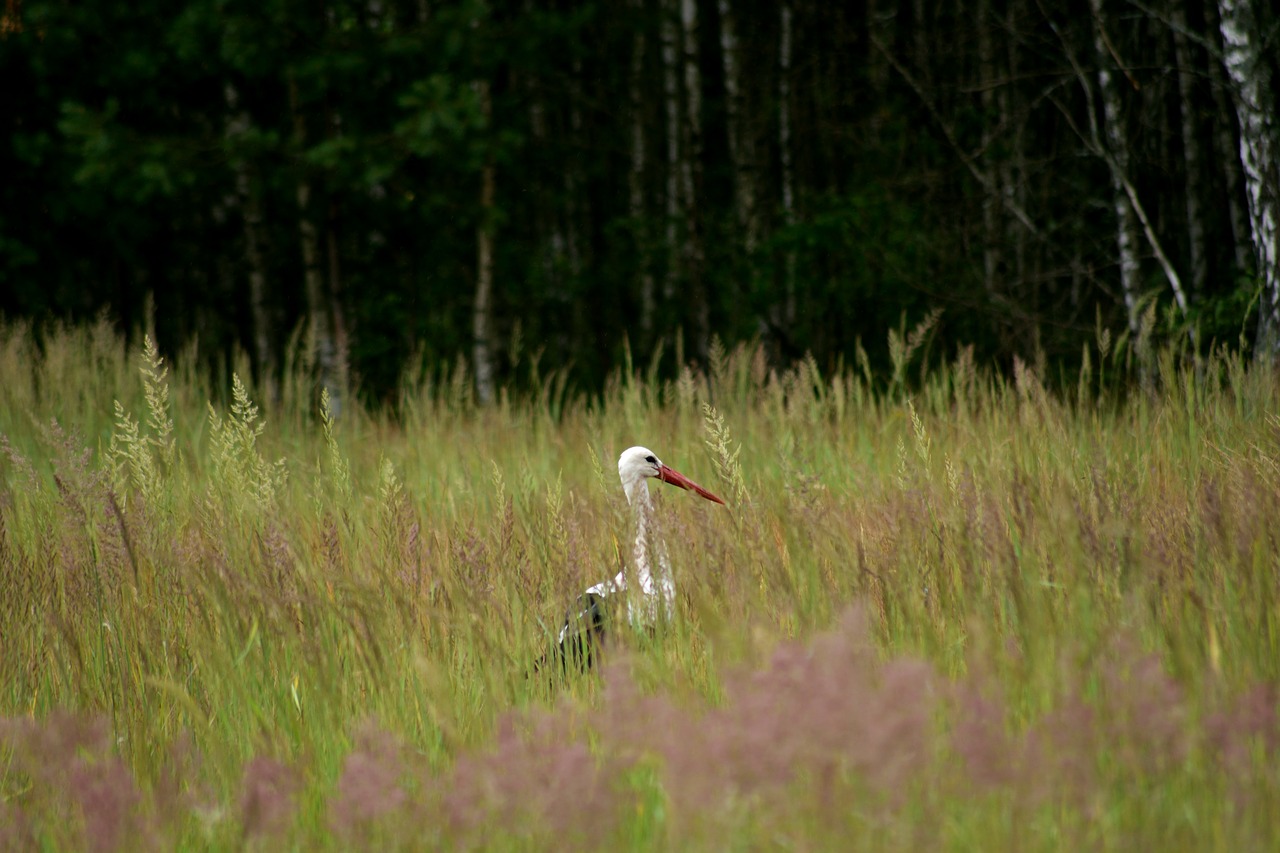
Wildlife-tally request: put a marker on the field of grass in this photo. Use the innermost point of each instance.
(953, 612)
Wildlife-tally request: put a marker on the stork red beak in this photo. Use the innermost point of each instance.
(675, 478)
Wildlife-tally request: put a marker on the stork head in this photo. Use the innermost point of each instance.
(636, 464)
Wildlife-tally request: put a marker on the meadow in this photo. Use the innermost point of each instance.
(948, 609)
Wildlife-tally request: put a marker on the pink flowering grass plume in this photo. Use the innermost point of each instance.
(821, 714)
(267, 801)
(380, 796)
(542, 779)
(78, 790)
(1243, 740)
(1121, 723)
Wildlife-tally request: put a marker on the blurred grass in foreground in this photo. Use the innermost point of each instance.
(969, 615)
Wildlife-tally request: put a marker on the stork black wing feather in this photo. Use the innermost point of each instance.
(582, 636)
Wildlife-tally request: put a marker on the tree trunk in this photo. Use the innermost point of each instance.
(1227, 148)
(1191, 156)
(1129, 208)
(319, 316)
(341, 344)
(785, 159)
(1010, 178)
(313, 281)
(992, 224)
(575, 200)
(875, 22)
(741, 141)
(1117, 147)
(337, 317)
(636, 182)
(920, 42)
(1255, 107)
(248, 197)
(481, 318)
(548, 229)
(691, 178)
(671, 98)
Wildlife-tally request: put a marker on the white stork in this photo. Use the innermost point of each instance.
(654, 590)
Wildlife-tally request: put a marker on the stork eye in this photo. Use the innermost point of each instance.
(652, 460)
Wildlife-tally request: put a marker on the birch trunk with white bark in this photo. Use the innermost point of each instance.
(636, 177)
(337, 317)
(482, 312)
(785, 157)
(1255, 108)
(1117, 150)
(249, 200)
(742, 158)
(691, 178)
(671, 104)
(1227, 147)
(319, 314)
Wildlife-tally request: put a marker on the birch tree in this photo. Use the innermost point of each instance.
(671, 111)
(1250, 77)
(992, 221)
(636, 176)
(482, 311)
(742, 158)
(554, 231)
(1128, 207)
(248, 197)
(691, 180)
(785, 155)
(1010, 178)
(1117, 147)
(319, 314)
(1227, 147)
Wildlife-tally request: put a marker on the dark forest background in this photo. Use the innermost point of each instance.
(413, 181)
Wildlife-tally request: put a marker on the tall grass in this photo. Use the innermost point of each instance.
(963, 612)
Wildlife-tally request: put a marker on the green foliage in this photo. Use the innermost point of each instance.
(442, 111)
(162, 149)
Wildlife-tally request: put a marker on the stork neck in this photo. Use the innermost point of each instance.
(637, 490)
(648, 555)
(642, 509)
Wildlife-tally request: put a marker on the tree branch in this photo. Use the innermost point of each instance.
(978, 175)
